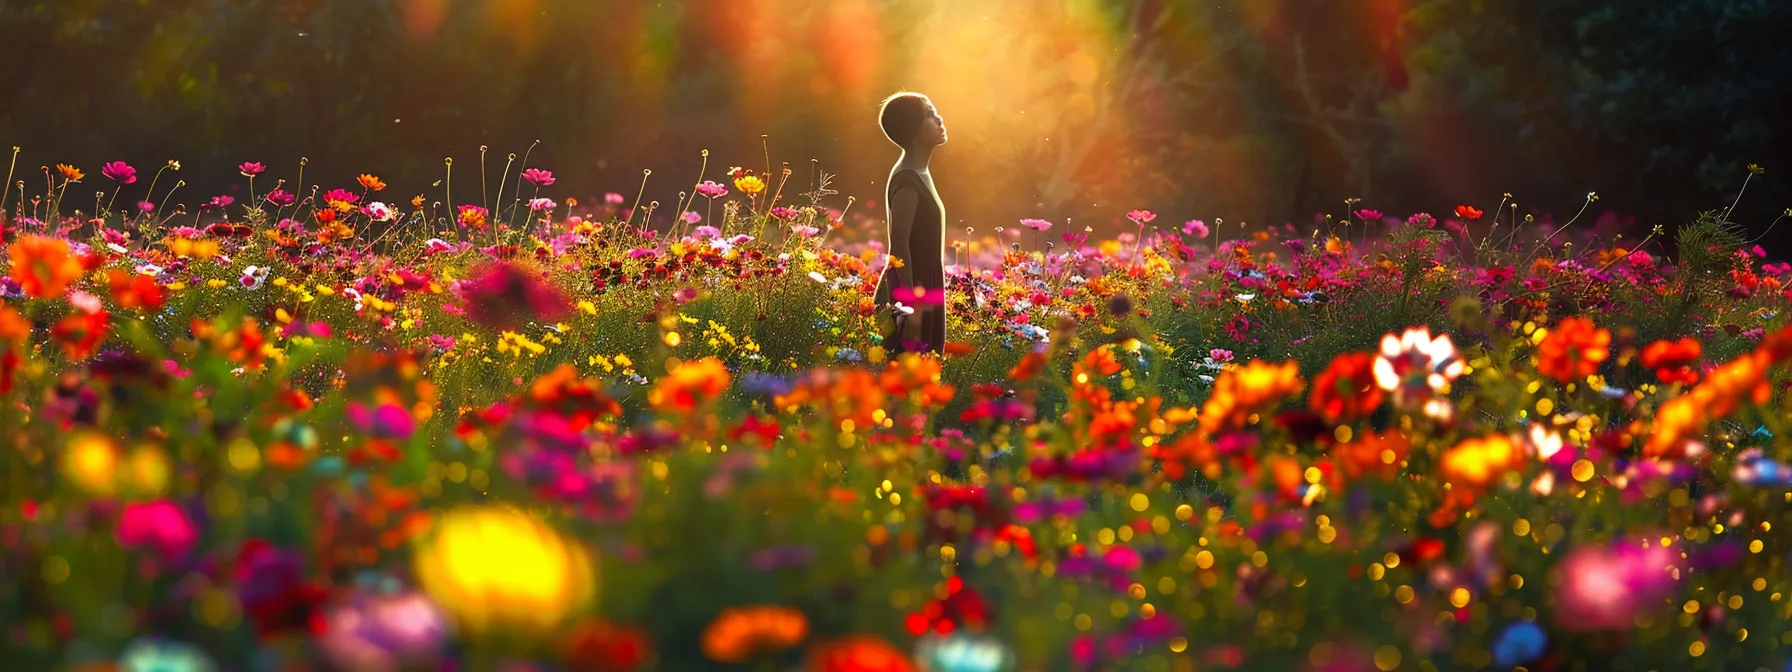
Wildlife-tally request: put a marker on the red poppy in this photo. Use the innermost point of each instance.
(1346, 389)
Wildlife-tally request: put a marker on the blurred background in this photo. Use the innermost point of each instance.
(1260, 111)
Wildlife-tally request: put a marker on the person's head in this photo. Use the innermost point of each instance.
(910, 121)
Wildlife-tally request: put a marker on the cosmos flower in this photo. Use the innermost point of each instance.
(1346, 390)
(1036, 224)
(1414, 366)
(711, 189)
(249, 168)
(538, 177)
(120, 172)
(1573, 350)
(43, 266)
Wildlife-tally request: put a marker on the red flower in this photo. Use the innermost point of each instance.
(1469, 212)
(1346, 390)
(1672, 361)
(134, 291)
(1573, 350)
(860, 653)
(81, 333)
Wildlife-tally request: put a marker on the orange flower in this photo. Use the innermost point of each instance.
(42, 265)
(1573, 350)
(134, 291)
(417, 201)
(1681, 418)
(1672, 360)
(1374, 453)
(689, 385)
(1474, 464)
(1241, 392)
(844, 394)
(1099, 363)
(1029, 366)
(1346, 389)
(81, 333)
(741, 634)
(910, 373)
(1469, 212)
(371, 183)
(69, 172)
(859, 653)
(14, 328)
(598, 646)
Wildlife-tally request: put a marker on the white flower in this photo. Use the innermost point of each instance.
(818, 277)
(1545, 441)
(1414, 365)
(1245, 298)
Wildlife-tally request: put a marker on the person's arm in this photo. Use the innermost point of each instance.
(903, 204)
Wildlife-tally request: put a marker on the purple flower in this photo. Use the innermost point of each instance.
(120, 172)
(538, 177)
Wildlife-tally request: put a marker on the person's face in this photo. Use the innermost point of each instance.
(933, 129)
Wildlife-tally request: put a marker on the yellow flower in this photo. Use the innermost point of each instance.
(749, 184)
(496, 568)
(69, 172)
(91, 461)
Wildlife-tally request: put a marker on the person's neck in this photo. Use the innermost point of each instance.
(915, 159)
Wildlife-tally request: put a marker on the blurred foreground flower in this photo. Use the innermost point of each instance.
(1573, 350)
(499, 568)
(741, 634)
(377, 633)
(859, 653)
(157, 655)
(963, 653)
(1414, 365)
(1607, 588)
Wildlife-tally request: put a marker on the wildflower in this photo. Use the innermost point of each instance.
(472, 216)
(689, 386)
(691, 217)
(220, 201)
(1368, 215)
(613, 198)
(281, 198)
(380, 212)
(1475, 463)
(43, 266)
(1346, 390)
(376, 631)
(69, 172)
(146, 206)
(804, 231)
(539, 177)
(541, 204)
(1573, 350)
(1036, 224)
(253, 277)
(1141, 216)
(598, 646)
(741, 634)
(248, 168)
(120, 172)
(499, 568)
(1240, 393)
(504, 295)
(711, 189)
(341, 200)
(1195, 227)
(134, 291)
(859, 653)
(1608, 588)
(370, 182)
(1415, 365)
(160, 525)
(1672, 361)
(1469, 212)
(749, 184)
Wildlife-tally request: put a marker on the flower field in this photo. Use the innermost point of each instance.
(353, 429)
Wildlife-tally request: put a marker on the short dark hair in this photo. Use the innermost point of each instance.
(901, 115)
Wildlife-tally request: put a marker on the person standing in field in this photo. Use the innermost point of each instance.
(913, 286)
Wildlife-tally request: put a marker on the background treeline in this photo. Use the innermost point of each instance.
(1251, 110)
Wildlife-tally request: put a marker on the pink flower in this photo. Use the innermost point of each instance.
(159, 525)
(119, 172)
(804, 230)
(146, 206)
(380, 212)
(1219, 355)
(1369, 215)
(691, 217)
(1141, 216)
(613, 198)
(1036, 224)
(281, 198)
(335, 196)
(1607, 588)
(504, 296)
(541, 204)
(782, 212)
(220, 201)
(1195, 227)
(712, 190)
(538, 177)
(251, 168)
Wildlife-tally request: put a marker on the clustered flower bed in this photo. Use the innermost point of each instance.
(319, 431)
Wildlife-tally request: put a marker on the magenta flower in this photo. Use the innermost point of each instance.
(343, 196)
(220, 201)
(1369, 215)
(387, 421)
(1195, 227)
(251, 168)
(711, 189)
(1036, 224)
(1141, 216)
(146, 206)
(538, 177)
(159, 525)
(504, 296)
(541, 204)
(120, 172)
(380, 212)
(281, 198)
(782, 212)
(691, 217)
(613, 198)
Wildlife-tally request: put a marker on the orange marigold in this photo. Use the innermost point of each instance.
(1346, 389)
(43, 266)
(1573, 350)
(689, 385)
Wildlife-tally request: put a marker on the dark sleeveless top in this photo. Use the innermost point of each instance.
(927, 246)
